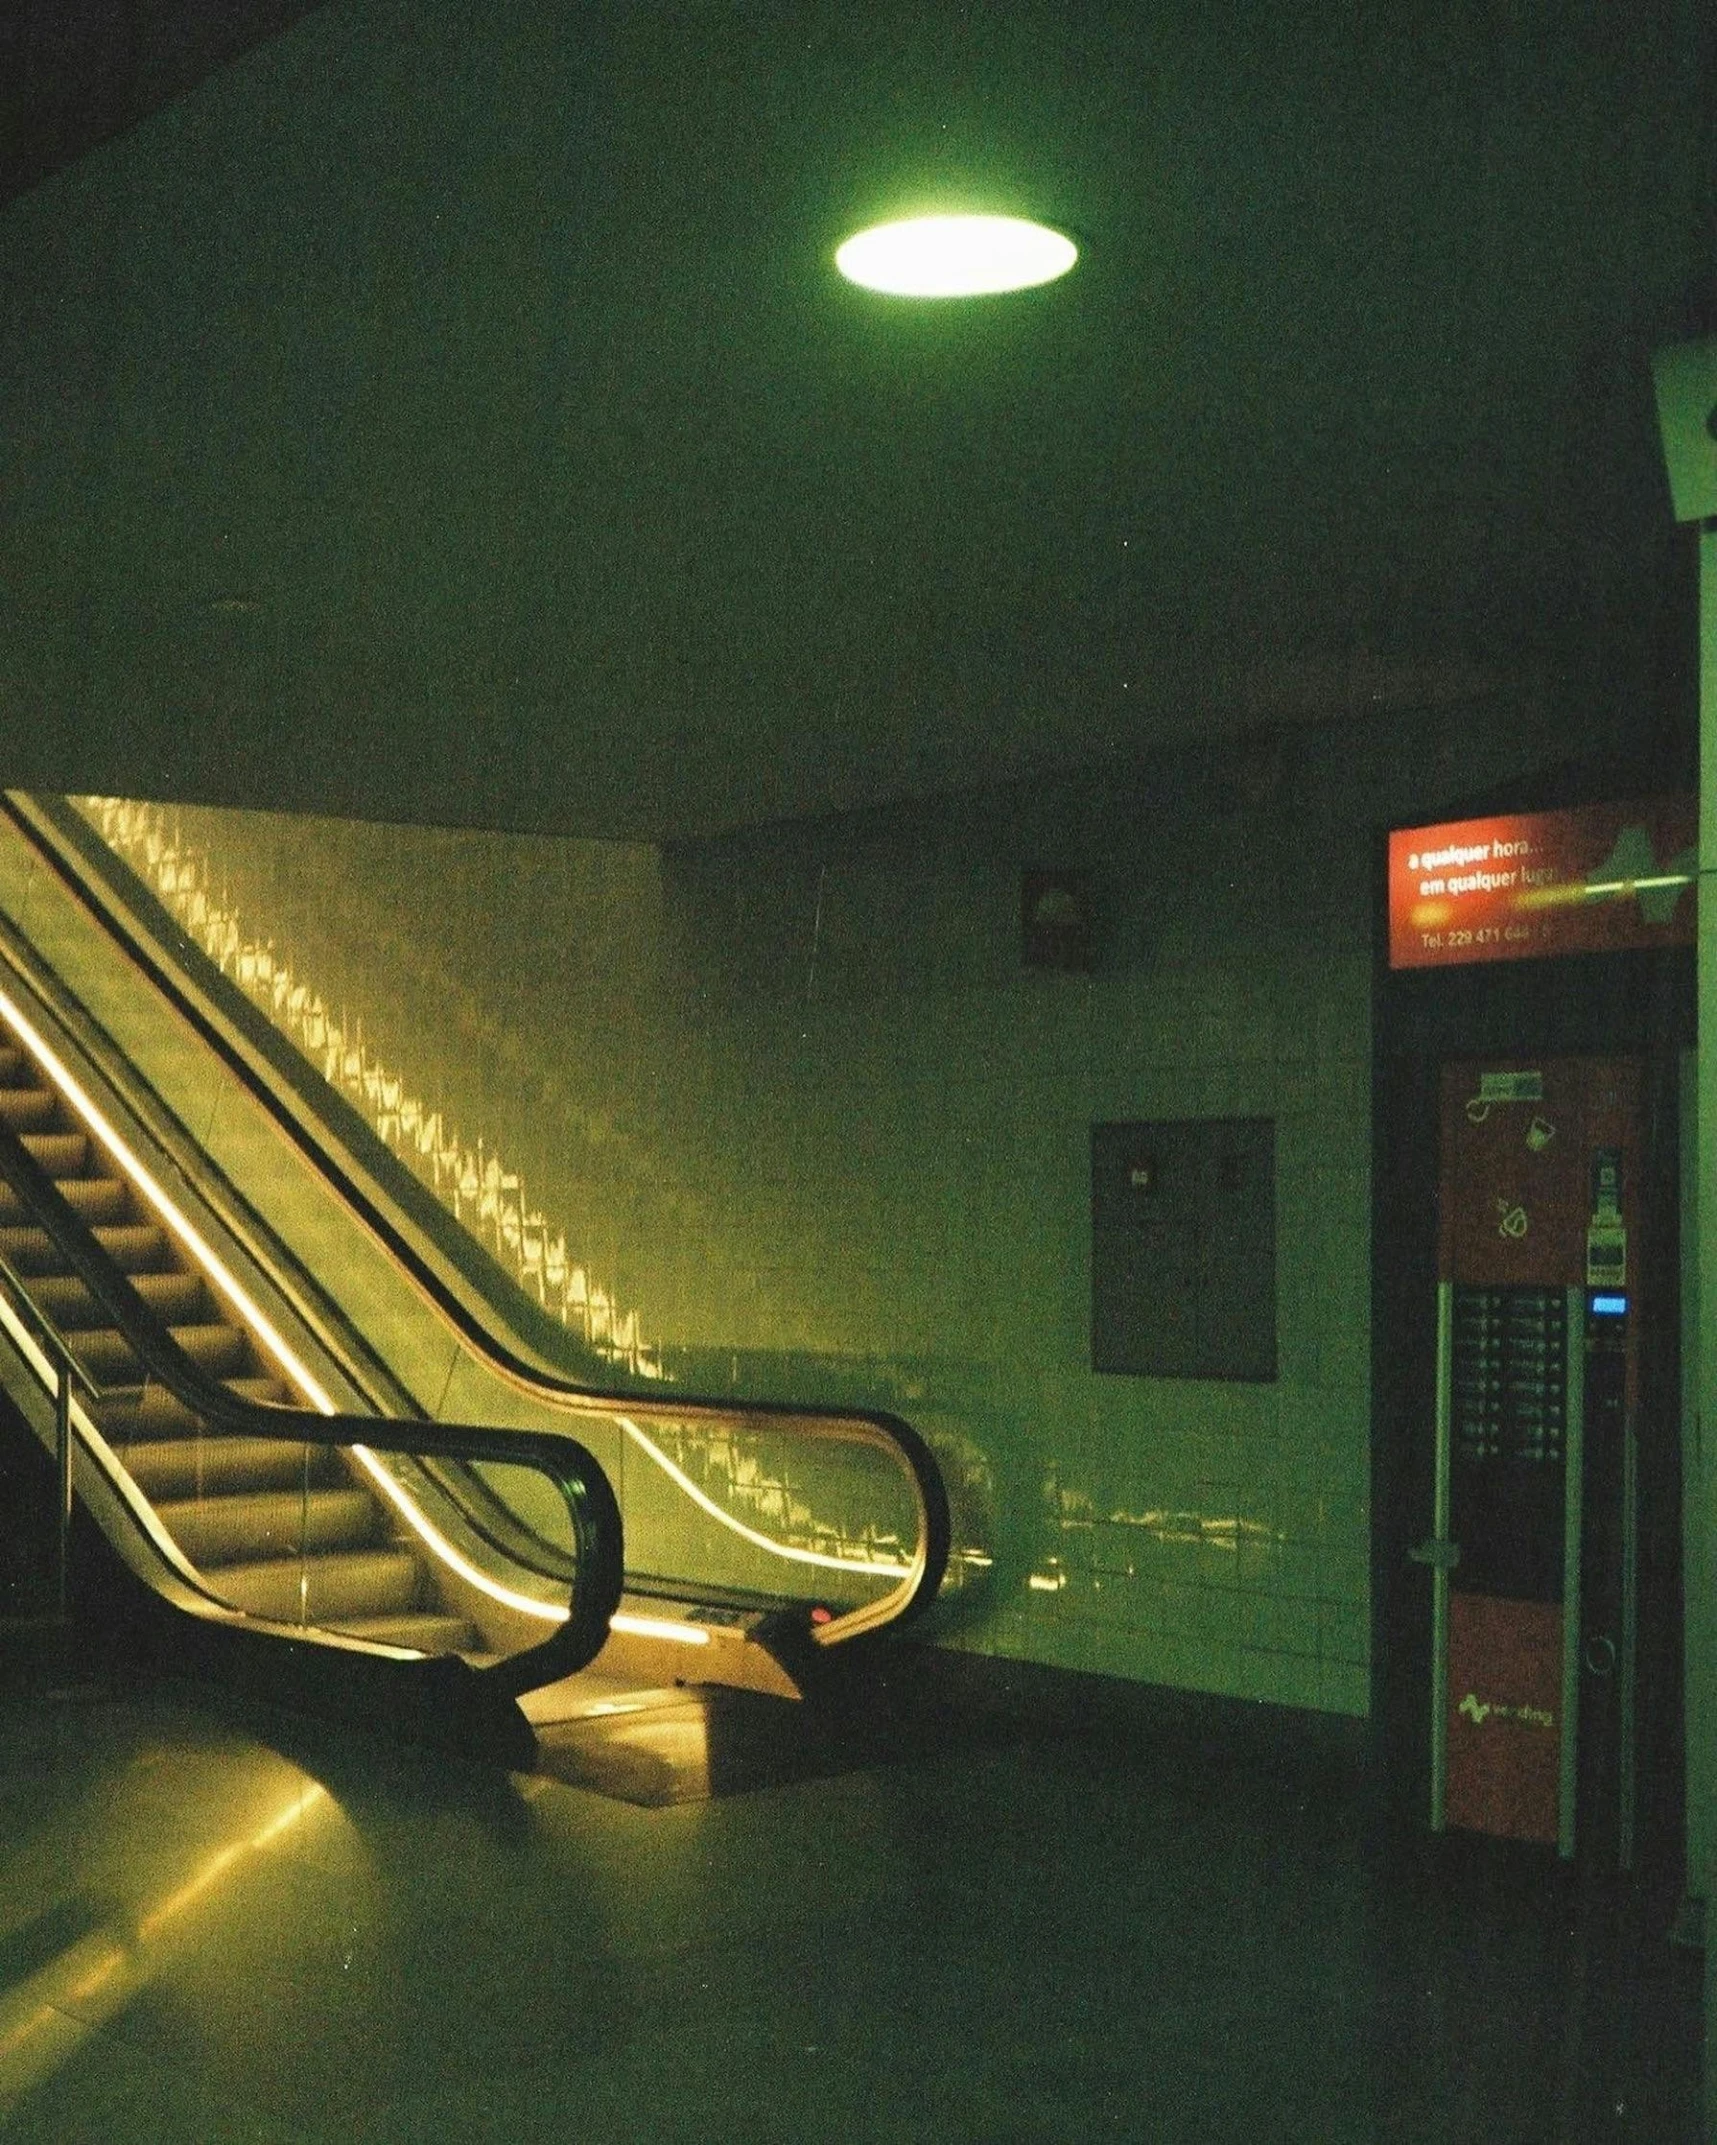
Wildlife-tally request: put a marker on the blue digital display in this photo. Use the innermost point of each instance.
(1609, 1306)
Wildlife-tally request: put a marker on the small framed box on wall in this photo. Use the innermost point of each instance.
(1055, 921)
(1183, 1248)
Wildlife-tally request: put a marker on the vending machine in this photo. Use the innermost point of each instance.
(1534, 1520)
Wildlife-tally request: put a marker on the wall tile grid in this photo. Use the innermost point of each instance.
(1163, 1549)
(866, 1180)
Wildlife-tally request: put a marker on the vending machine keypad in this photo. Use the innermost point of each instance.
(1510, 1374)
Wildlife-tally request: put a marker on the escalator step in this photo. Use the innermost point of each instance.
(135, 1249)
(160, 1415)
(181, 1467)
(96, 1199)
(424, 1633)
(14, 1067)
(107, 1356)
(269, 1525)
(68, 1304)
(28, 1250)
(28, 1109)
(61, 1154)
(377, 1582)
(220, 1349)
(181, 1299)
(110, 1360)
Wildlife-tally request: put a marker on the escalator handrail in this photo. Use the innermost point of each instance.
(75, 852)
(592, 1510)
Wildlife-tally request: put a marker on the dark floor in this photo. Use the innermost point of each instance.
(960, 1917)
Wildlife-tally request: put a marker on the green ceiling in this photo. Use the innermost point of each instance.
(454, 414)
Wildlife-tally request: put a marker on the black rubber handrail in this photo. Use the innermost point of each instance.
(592, 1510)
(76, 853)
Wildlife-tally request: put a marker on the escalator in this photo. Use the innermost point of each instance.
(290, 1393)
(263, 1541)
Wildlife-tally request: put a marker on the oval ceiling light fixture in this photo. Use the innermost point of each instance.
(955, 256)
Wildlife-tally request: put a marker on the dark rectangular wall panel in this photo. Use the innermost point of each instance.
(1183, 1248)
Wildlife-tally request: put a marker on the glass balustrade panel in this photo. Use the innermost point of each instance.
(779, 1510)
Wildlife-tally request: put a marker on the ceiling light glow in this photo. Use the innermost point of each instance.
(955, 256)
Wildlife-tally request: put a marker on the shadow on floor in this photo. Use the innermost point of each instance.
(690, 1743)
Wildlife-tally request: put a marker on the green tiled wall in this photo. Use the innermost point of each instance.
(793, 1098)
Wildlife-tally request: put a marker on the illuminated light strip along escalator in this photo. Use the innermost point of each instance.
(824, 1560)
(256, 1059)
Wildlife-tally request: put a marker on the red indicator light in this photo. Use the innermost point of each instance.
(822, 1616)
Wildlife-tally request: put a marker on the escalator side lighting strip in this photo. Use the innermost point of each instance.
(659, 1627)
(433, 1540)
(251, 1317)
(879, 1567)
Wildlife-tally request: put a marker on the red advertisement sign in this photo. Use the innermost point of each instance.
(1603, 879)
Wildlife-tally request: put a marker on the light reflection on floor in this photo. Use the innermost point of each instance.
(72, 1990)
(217, 1926)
